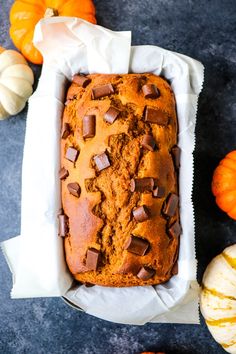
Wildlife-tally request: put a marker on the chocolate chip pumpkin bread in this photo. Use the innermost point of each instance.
(119, 166)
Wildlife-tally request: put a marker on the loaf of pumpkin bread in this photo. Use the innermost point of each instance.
(119, 172)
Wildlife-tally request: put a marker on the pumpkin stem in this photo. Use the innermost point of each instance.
(50, 12)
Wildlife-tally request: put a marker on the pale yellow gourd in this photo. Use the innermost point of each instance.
(218, 298)
(16, 80)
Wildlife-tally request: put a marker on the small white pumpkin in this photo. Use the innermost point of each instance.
(16, 80)
(218, 298)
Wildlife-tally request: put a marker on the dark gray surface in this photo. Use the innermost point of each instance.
(202, 29)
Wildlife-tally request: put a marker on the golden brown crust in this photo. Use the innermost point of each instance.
(101, 217)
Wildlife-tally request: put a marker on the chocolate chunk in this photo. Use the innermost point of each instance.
(111, 115)
(63, 173)
(175, 269)
(72, 154)
(148, 142)
(175, 229)
(158, 192)
(175, 152)
(101, 161)
(65, 132)
(150, 91)
(102, 91)
(92, 259)
(89, 126)
(141, 213)
(142, 184)
(63, 225)
(137, 245)
(146, 273)
(81, 80)
(130, 267)
(156, 116)
(171, 205)
(74, 189)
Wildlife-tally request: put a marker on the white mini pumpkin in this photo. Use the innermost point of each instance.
(218, 298)
(16, 80)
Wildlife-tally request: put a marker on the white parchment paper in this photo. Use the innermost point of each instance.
(36, 258)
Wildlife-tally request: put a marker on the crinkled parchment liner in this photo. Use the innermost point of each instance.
(36, 258)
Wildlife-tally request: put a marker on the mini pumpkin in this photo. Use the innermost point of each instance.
(16, 80)
(25, 14)
(218, 298)
(224, 184)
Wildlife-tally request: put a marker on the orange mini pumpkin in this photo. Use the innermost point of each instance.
(25, 14)
(224, 184)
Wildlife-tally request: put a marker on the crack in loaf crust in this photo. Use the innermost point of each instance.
(101, 217)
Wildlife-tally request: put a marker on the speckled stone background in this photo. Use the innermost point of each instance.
(205, 30)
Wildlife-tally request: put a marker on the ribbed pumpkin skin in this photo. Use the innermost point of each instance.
(16, 80)
(218, 298)
(224, 184)
(25, 14)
